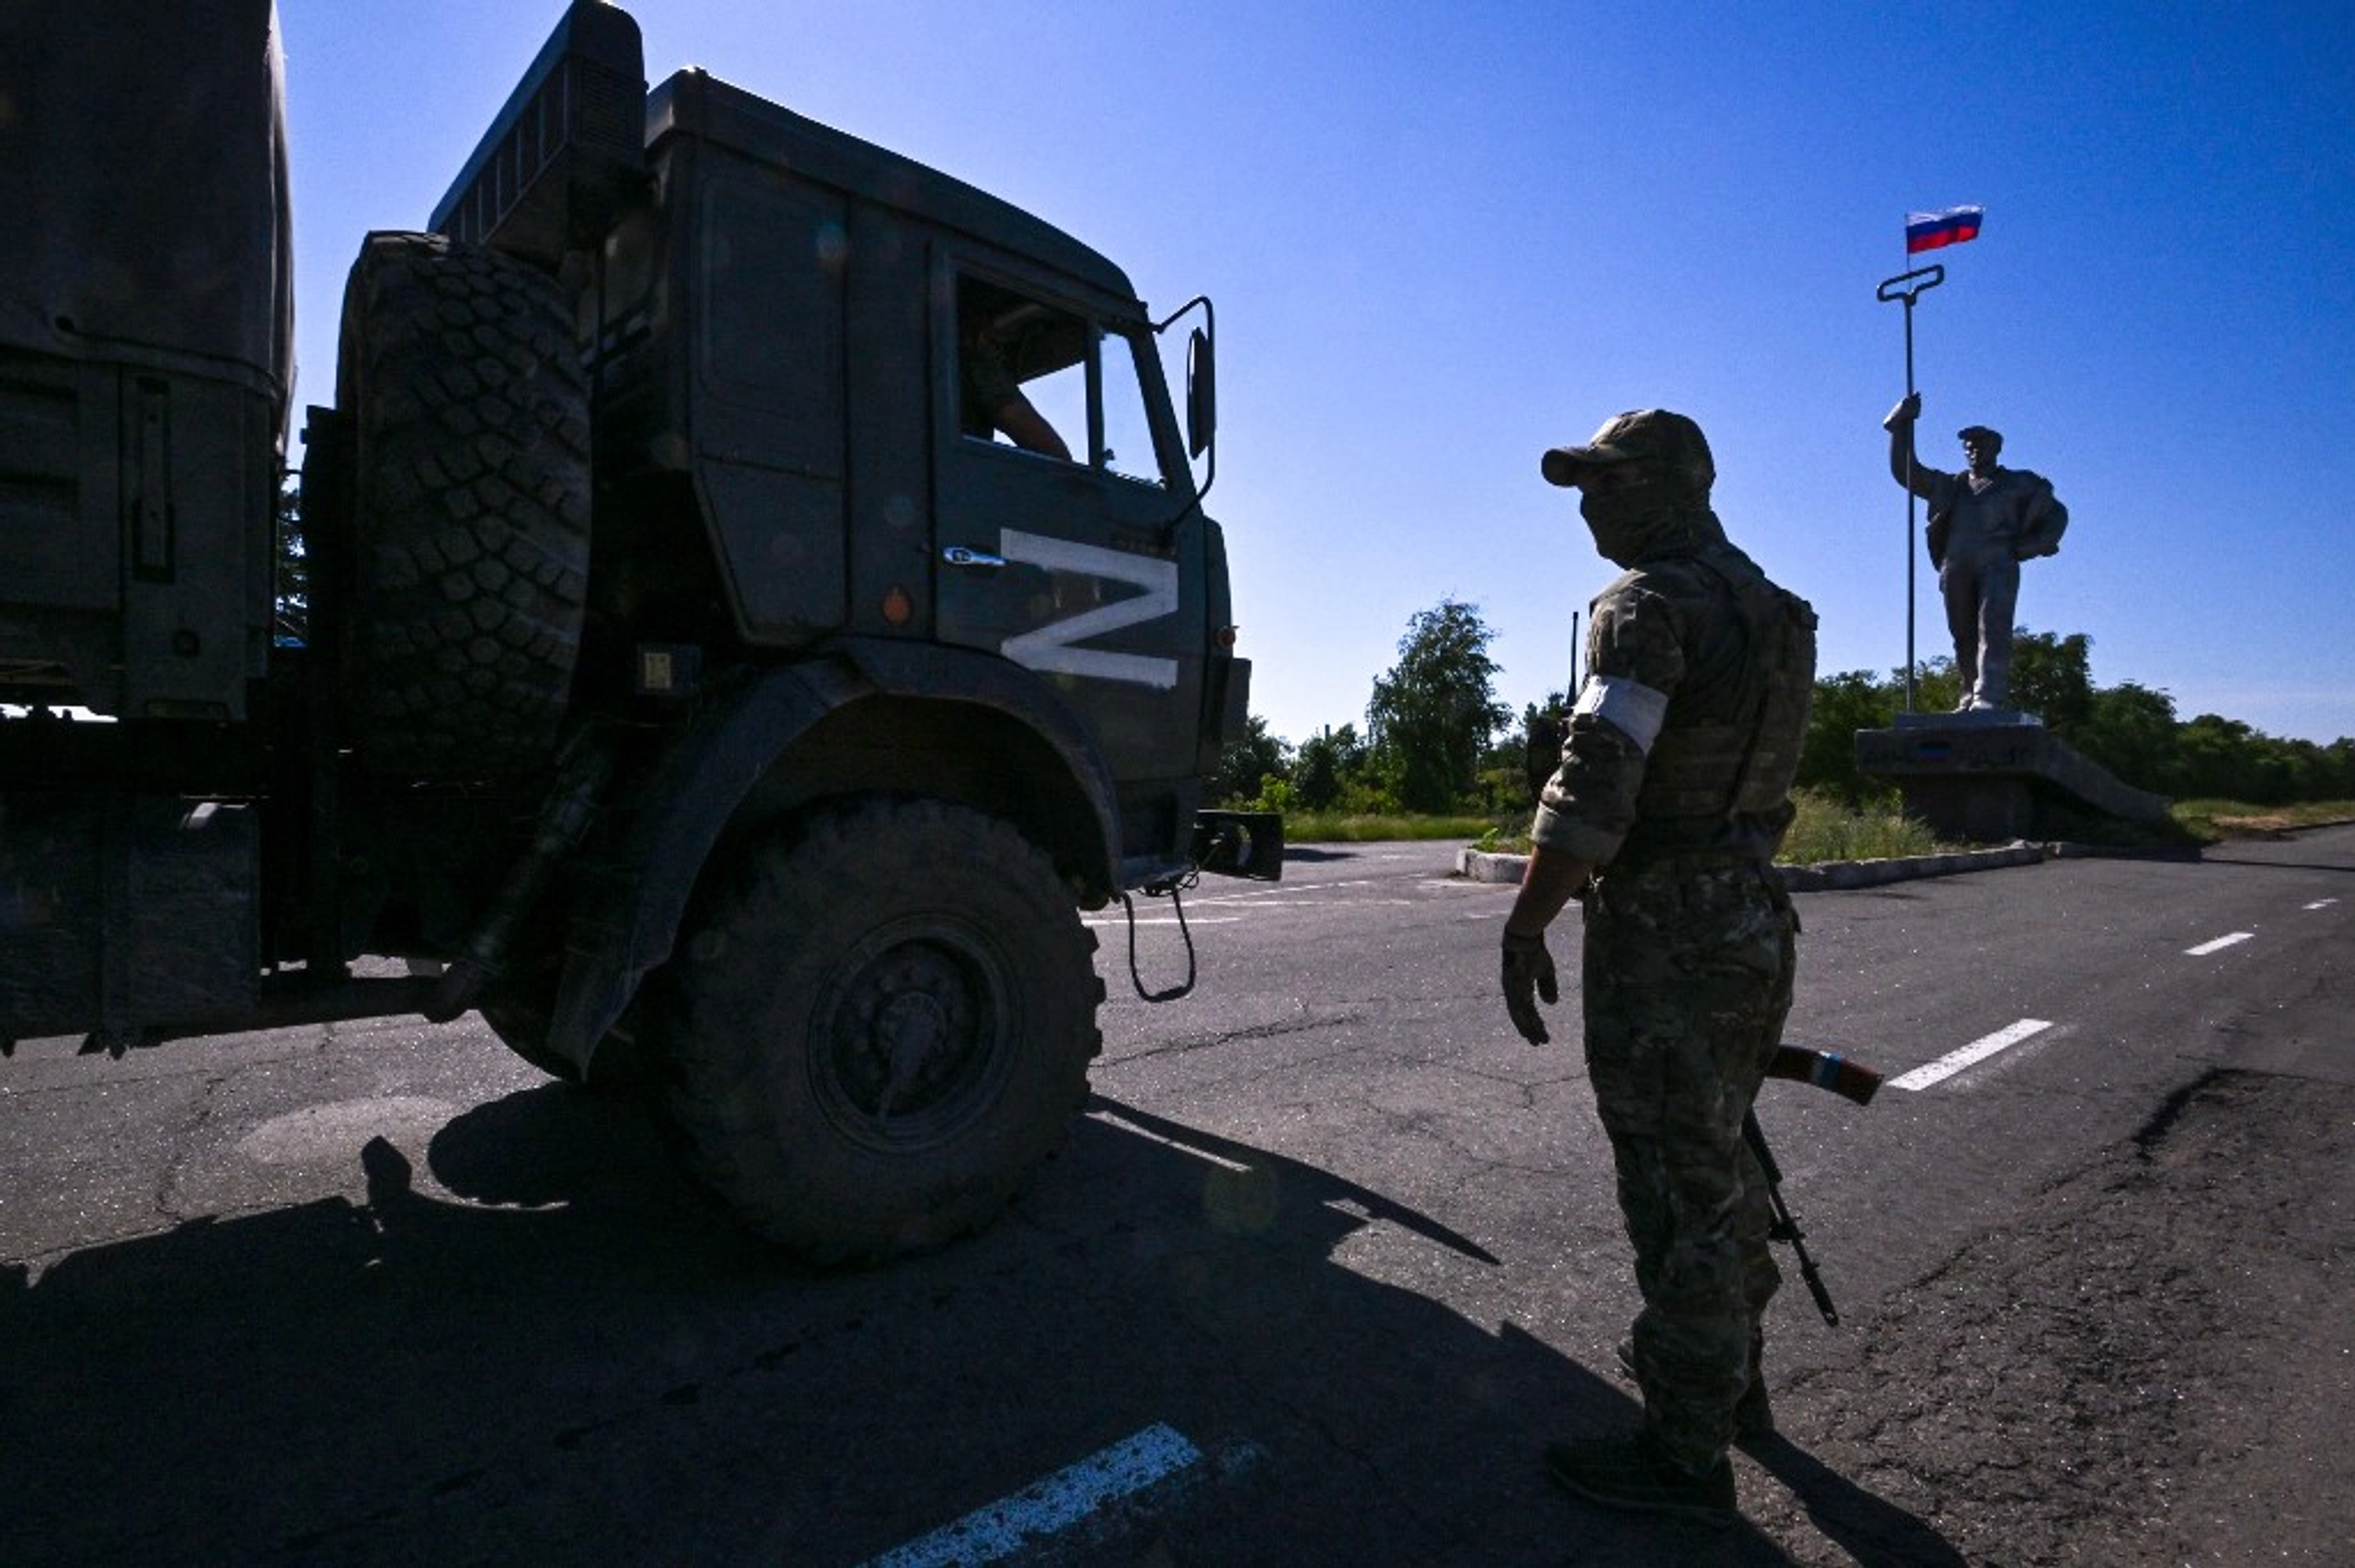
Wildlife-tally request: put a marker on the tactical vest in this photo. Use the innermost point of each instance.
(1731, 741)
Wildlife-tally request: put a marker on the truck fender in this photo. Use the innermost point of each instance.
(626, 919)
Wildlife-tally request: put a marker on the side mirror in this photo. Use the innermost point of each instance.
(1202, 394)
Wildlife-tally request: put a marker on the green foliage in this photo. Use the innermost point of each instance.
(1824, 828)
(1246, 766)
(1434, 714)
(2052, 677)
(2208, 820)
(292, 589)
(1378, 827)
(2129, 729)
(1327, 765)
(1338, 785)
(1844, 705)
(1829, 828)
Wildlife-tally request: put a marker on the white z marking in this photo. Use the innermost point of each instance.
(1050, 646)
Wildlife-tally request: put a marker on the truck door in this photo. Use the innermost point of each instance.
(1058, 534)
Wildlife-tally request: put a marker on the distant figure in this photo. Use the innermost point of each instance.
(1983, 522)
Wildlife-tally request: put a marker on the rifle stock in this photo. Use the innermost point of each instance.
(1825, 1070)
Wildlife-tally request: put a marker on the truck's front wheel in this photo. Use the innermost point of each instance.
(881, 1029)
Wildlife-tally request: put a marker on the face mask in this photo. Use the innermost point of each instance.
(1626, 522)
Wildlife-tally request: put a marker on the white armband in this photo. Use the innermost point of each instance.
(1629, 706)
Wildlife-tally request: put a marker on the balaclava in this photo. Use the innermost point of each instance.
(1667, 514)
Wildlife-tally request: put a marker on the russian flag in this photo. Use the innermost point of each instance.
(1928, 231)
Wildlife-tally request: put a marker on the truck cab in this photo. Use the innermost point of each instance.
(750, 594)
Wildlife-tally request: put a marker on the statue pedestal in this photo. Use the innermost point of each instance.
(1993, 776)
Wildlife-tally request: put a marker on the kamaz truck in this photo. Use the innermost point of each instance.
(666, 652)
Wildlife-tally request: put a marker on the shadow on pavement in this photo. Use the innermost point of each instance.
(1869, 1527)
(585, 1364)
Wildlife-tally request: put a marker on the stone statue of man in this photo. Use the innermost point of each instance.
(1983, 522)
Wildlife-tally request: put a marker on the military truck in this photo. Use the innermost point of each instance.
(664, 654)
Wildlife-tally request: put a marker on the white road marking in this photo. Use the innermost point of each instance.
(2322, 903)
(1161, 920)
(2218, 946)
(1980, 1050)
(997, 1530)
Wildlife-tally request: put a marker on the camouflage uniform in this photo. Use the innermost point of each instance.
(1674, 782)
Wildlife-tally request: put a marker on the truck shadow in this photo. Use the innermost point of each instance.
(575, 1360)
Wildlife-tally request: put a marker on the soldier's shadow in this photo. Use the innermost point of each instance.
(1870, 1528)
(581, 1362)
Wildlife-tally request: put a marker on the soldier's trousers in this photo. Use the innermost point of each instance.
(1686, 981)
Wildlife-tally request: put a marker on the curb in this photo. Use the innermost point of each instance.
(1832, 875)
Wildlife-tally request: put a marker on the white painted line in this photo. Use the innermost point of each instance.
(2218, 946)
(2322, 903)
(996, 1532)
(1953, 1063)
(1161, 919)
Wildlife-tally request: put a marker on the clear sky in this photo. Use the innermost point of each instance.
(1443, 238)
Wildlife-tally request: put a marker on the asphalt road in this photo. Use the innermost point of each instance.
(1331, 1256)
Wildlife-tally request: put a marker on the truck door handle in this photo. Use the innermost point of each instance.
(960, 555)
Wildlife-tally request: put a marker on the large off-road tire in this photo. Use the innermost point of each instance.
(471, 489)
(879, 1032)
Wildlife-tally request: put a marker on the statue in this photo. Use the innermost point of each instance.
(1983, 522)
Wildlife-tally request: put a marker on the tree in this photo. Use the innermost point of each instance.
(1434, 714)
(2130, 730)
(291, 594)
(2052, 677)
(1245, 765)
(1844, 705)
(1326, 765)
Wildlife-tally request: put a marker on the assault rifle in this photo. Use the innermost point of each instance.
(1825, 1070)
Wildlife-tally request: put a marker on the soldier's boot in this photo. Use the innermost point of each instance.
(1753, 1413)
(1634, 1474)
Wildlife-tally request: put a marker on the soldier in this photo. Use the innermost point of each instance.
(1983, 522)
(1663, 817)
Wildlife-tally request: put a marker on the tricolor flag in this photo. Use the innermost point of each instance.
(1928, 231)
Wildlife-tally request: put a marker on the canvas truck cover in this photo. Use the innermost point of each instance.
(142, 171)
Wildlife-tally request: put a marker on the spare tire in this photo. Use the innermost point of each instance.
(469, 564)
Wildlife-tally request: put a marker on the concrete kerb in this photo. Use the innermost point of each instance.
(1482, 865)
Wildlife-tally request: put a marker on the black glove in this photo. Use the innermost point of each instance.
(1528, 976)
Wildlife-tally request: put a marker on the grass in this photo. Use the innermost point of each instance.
(1823, 830)
(1335, 828)
(2210, 820)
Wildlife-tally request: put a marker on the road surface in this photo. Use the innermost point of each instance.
(1330, 1257)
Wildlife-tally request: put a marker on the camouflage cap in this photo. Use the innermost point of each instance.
(1642, 434)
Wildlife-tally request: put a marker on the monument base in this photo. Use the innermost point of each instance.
(1993, 776)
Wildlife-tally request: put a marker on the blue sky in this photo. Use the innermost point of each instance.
(1442, 238)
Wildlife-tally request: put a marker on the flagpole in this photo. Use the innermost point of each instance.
(1897, 288)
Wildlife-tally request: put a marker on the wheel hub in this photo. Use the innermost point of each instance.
(910, 1033)
(917, 1041)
